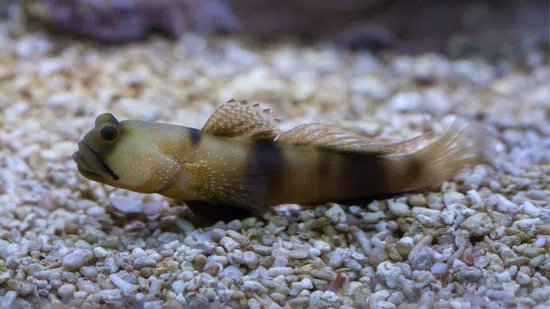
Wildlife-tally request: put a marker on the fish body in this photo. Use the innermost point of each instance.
(240, 165)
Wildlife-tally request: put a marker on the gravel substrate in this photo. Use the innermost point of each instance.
(480, 241)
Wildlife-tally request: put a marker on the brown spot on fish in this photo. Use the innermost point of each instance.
(268, 159)
(195, 136)
(361, 175)
(324, 165)
(415, 168)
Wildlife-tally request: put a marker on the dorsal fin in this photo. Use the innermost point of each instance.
(242, 120)
(337, 138)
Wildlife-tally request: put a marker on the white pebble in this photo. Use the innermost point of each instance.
(8, 299)
(540, 242)
(33, 45)
(187, 275)
(479, 224)
(190, 254)
(381, 295)
(523, 279)
(155, 285)
(232, 272)
(100, 252)
(144, 261)
(506, 206)
(390, 273)
(156, 257)
(370, 85)
(112, 263)
(439, 268)
(513, 270)
(396, 298)
(336, 214)
(313, 253)
(504, 276)
(474, 197)
(373, 217)
(525, 224)
(407, 241)
(432, 213)
(153, 304)
(87, 286)
(96, 211)
(254, 286)
(511, 287)
(384, 305)
(405, 101)
(531, 209)
(397, 208)
(274, 305)
(126, 205)
(250, 258)
(453, 197)
(277, 271)
(499, 295)
(448, 217)
(77, 259)
(229, 244)
(280, 261)
(507, 253)
(178, 286)
(253, 304)
(321, 246)
(138, 252)
(80, 295)
(66, 290)
(259, 273)
(121, 284)
(305, 284)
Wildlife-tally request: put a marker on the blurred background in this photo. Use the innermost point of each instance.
(455, 27)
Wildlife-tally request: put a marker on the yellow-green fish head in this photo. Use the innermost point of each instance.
(95, 147)
(125, 155)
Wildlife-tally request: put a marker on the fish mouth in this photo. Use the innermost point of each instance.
(91, 165)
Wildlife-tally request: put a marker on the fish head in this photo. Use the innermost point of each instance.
(120, 154)
(94, 150)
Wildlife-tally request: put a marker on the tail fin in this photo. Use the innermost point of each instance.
(465, 143)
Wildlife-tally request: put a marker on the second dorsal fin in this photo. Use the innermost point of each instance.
(337, 138)
(242, 120)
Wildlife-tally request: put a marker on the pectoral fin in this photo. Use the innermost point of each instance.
(221, 192)
(242, 120)
(228, 183)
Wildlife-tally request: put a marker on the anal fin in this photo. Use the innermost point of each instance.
(242, 120)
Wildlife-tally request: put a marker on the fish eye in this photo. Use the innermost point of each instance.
(108, 133)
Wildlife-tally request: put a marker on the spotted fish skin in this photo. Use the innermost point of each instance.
(239, 164)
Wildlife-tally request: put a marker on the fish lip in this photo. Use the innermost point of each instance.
(77, 158)
(84, 169)
(84, 166)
